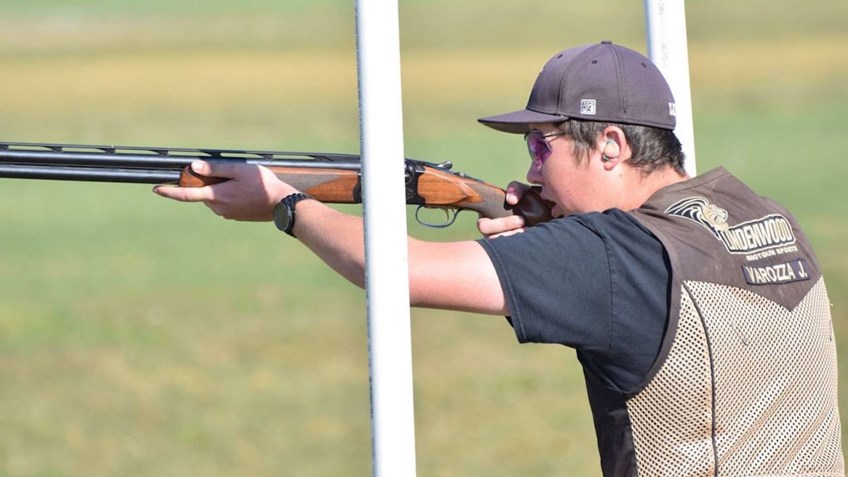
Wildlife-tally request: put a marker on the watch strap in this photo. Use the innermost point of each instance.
(290, 203)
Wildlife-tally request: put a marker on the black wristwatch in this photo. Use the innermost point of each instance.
(284, 211)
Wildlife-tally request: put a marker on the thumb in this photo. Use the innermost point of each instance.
(222, 169)
(515, 191)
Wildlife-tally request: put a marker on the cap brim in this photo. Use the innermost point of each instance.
(518, 122)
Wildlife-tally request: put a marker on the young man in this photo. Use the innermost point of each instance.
(696, 307)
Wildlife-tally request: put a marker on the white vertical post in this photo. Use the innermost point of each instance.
(386, 254)
(667, 48)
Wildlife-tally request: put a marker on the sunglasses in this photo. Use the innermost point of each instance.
(538, 146)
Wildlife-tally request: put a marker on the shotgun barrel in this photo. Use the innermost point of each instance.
(24, 160)
(89, 174)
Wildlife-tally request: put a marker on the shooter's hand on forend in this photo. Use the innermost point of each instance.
(247, 193)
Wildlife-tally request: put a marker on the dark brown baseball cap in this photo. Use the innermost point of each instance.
(598, 82)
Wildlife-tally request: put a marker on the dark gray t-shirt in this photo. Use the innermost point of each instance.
(597, 282)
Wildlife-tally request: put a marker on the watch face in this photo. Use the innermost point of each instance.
(281, 216)
(284, 211)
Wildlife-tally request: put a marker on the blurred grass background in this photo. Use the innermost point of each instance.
(144, 337)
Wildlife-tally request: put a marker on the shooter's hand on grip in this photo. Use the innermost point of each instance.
(529, 207)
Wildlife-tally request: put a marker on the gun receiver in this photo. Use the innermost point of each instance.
(329, 177)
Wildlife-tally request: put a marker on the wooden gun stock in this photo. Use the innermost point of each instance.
(436, 188)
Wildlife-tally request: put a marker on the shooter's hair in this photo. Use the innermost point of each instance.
(653, 148)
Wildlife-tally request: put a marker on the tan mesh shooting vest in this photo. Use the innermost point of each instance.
(745, 383)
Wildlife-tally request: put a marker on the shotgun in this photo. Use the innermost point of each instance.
(328, 177)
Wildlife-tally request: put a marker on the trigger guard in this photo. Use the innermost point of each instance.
(449, 219)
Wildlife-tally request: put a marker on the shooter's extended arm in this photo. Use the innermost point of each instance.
(330, 178)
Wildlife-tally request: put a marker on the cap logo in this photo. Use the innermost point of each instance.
(587, 106)
(672, 109)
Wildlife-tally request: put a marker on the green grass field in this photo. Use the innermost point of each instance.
(144, 337)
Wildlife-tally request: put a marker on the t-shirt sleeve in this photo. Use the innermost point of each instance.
(595, 282)
(555, 277)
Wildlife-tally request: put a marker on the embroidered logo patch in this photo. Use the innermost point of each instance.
(587, 106)
(766, 233)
